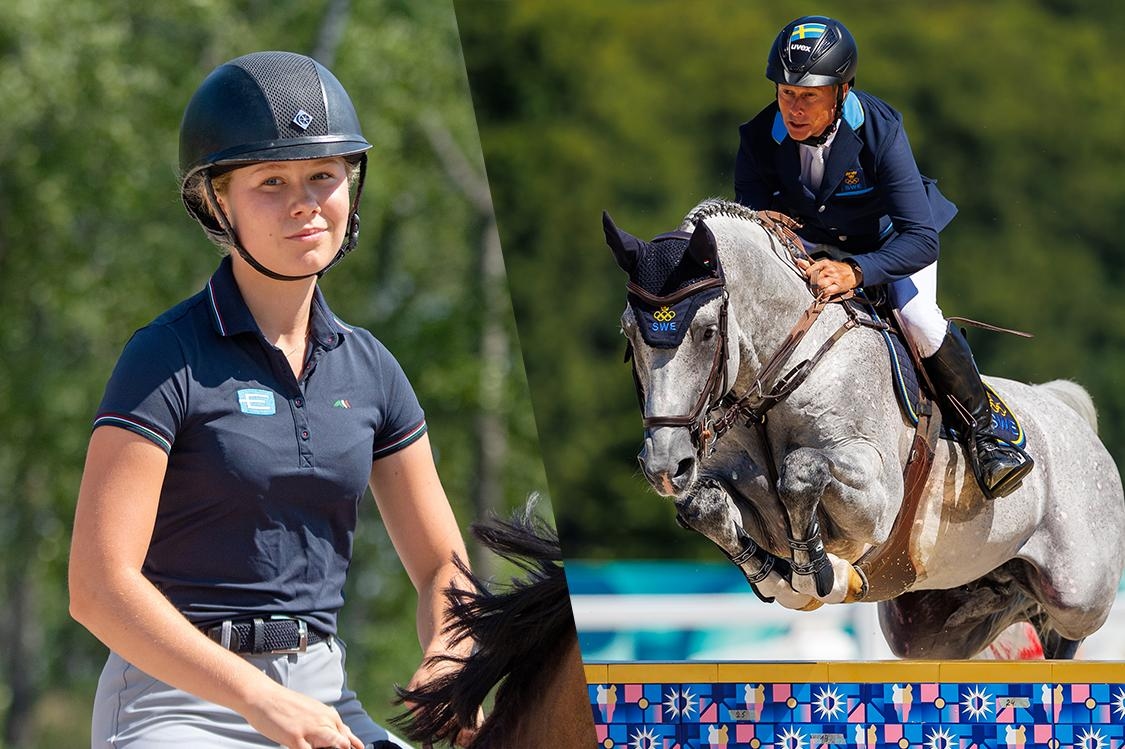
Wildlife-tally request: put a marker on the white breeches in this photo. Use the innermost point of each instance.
(915, 298)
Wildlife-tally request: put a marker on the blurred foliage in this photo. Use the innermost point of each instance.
(94, 243)
(633, 107)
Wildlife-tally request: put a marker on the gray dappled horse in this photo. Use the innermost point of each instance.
(718, 298)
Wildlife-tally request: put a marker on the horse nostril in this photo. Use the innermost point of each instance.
(684, 467)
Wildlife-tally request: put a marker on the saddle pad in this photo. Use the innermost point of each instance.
(1005, 426)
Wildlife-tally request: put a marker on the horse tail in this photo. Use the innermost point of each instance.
(1076, 397)
(517, 630)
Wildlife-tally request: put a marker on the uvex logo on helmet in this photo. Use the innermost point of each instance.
(266, 106)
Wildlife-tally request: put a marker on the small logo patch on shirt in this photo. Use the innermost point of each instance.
(342, 403)
(256, 402)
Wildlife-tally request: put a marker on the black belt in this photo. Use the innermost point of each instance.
(274, 635)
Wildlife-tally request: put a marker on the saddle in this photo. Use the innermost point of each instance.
(909, 387)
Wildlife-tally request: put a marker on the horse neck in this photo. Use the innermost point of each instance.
(767, 296)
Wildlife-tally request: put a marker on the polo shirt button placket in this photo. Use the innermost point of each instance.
(304, 435)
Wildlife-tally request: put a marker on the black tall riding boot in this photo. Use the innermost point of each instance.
(999, 466)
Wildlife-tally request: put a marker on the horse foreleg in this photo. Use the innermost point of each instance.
(805, 474)
(710, 511)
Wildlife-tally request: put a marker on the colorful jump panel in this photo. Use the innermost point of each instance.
(870, 705)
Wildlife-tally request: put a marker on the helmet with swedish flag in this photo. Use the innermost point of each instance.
(813, 51)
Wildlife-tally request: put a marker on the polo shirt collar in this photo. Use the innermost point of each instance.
(327, 331)
(231, 316)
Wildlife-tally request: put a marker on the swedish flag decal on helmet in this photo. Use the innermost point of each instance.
(807, 31)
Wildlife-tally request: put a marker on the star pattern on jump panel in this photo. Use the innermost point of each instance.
(859, 715)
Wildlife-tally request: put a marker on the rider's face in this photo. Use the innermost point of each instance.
(290, 215)
(807, 110)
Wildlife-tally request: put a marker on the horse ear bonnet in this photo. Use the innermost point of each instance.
(665, 267)
(625, 246)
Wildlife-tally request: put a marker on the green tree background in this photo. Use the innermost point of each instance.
(94, 243)
(1015, 107)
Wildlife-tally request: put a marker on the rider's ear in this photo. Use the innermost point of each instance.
(702, 247)
(626, 248)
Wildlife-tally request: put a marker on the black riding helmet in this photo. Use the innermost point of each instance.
(266, 106)
(813, 51)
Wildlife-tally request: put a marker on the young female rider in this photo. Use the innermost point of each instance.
(235, 439)
(838, 161)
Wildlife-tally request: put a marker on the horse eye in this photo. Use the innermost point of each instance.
(709, 332)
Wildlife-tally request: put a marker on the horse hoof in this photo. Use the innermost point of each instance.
(857, 585)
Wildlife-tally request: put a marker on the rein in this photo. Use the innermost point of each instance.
(768, 389)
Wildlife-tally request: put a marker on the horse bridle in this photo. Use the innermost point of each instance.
(768, 389)
(716, 384)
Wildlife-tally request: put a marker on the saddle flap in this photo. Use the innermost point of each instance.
(907, 385)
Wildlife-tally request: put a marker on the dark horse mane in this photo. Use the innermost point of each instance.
(519, 629)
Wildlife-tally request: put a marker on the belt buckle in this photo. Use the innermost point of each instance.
(302, 637)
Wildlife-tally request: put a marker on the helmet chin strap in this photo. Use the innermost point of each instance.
(349, 241)
(352, 239)
(820, 140)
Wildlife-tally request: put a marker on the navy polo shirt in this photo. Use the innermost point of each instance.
(265, 472)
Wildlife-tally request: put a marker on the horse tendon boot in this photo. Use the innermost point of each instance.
(998, 466)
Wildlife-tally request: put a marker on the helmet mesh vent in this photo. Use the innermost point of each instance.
(291, 84)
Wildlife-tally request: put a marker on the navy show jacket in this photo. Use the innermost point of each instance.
(873, 203)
